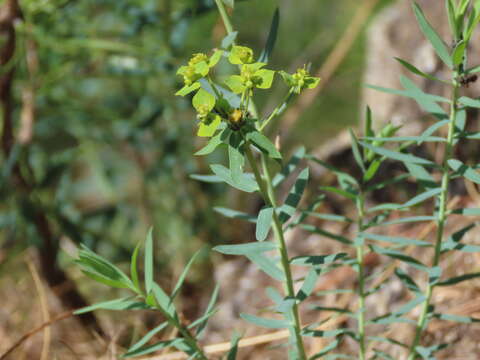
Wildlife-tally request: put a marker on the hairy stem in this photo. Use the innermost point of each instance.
(441, 216)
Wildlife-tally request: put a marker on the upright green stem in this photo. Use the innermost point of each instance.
(224, 15)
(442, 214)
(361, 278)
(268, 194)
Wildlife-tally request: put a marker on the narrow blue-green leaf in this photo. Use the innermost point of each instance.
(213, 300)
(273, 294)
(228, 40)
(337, 191)
(246, 183)
(317, 230)
(467, 211)
(395, 240)
(117, 304)
(408, 94)
(400, 256)
(433, 128)
(328, 333)
(267, 323)
(146, 337)
(456, 318)
(206, 178)
(272, 38)
(388, 340)
(212, 144)
(329, 217)
(415, 70)
(404, 309)
(326, 349)
(152, 348)
(164, 301)
(203, 319)
(408, 138)
(308, 284)
(475, 103)
(356, 151)
(395, 155)
(440, 48)
(466, 171)
(264, 222)
(408, 281)
(388, 320)
(294, 196)
(183, 275)
(235, 157)
(343, 177)
(289, 167)
(246, 249)
(427, 353)
(426, 102)
(133, 267)
(263, 143)
(234, 214)
(473, 70)
(232, 353)
(316, 260)
(267, 265)
(407, 220)
(458, 279)
(419, 172)
(148, 257)
(422, 197)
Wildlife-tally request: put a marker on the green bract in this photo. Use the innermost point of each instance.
(204, 102)
(300, 80)
(241, 55)
(251, 76)
(198, 67)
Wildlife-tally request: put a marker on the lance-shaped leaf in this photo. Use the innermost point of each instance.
(453, 241)
(426, 102)
(440, 48)
(308, 284)
(234, 214)
(289, 207)
(212, 144)
(235, 157)
(244, 183)
(407, 281)
(395, 155)
(317, 260)
(394, 254)
(271, 39)
(135, 347)
(154, 347)
(102, 270)
(246, 249)
(475, 103)
(427, 353)
(264, 144)
(182, 277)
(264, 222)
(267, 323)
(395, 240)
(126, 303)
(317, 230)
(458, 279)
(232, 353)
(148, 262)
(267, 265)
(289, 167)
(466, 171)
(210, 307)
(415, 70)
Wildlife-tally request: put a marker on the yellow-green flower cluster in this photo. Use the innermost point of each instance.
(300, 80)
